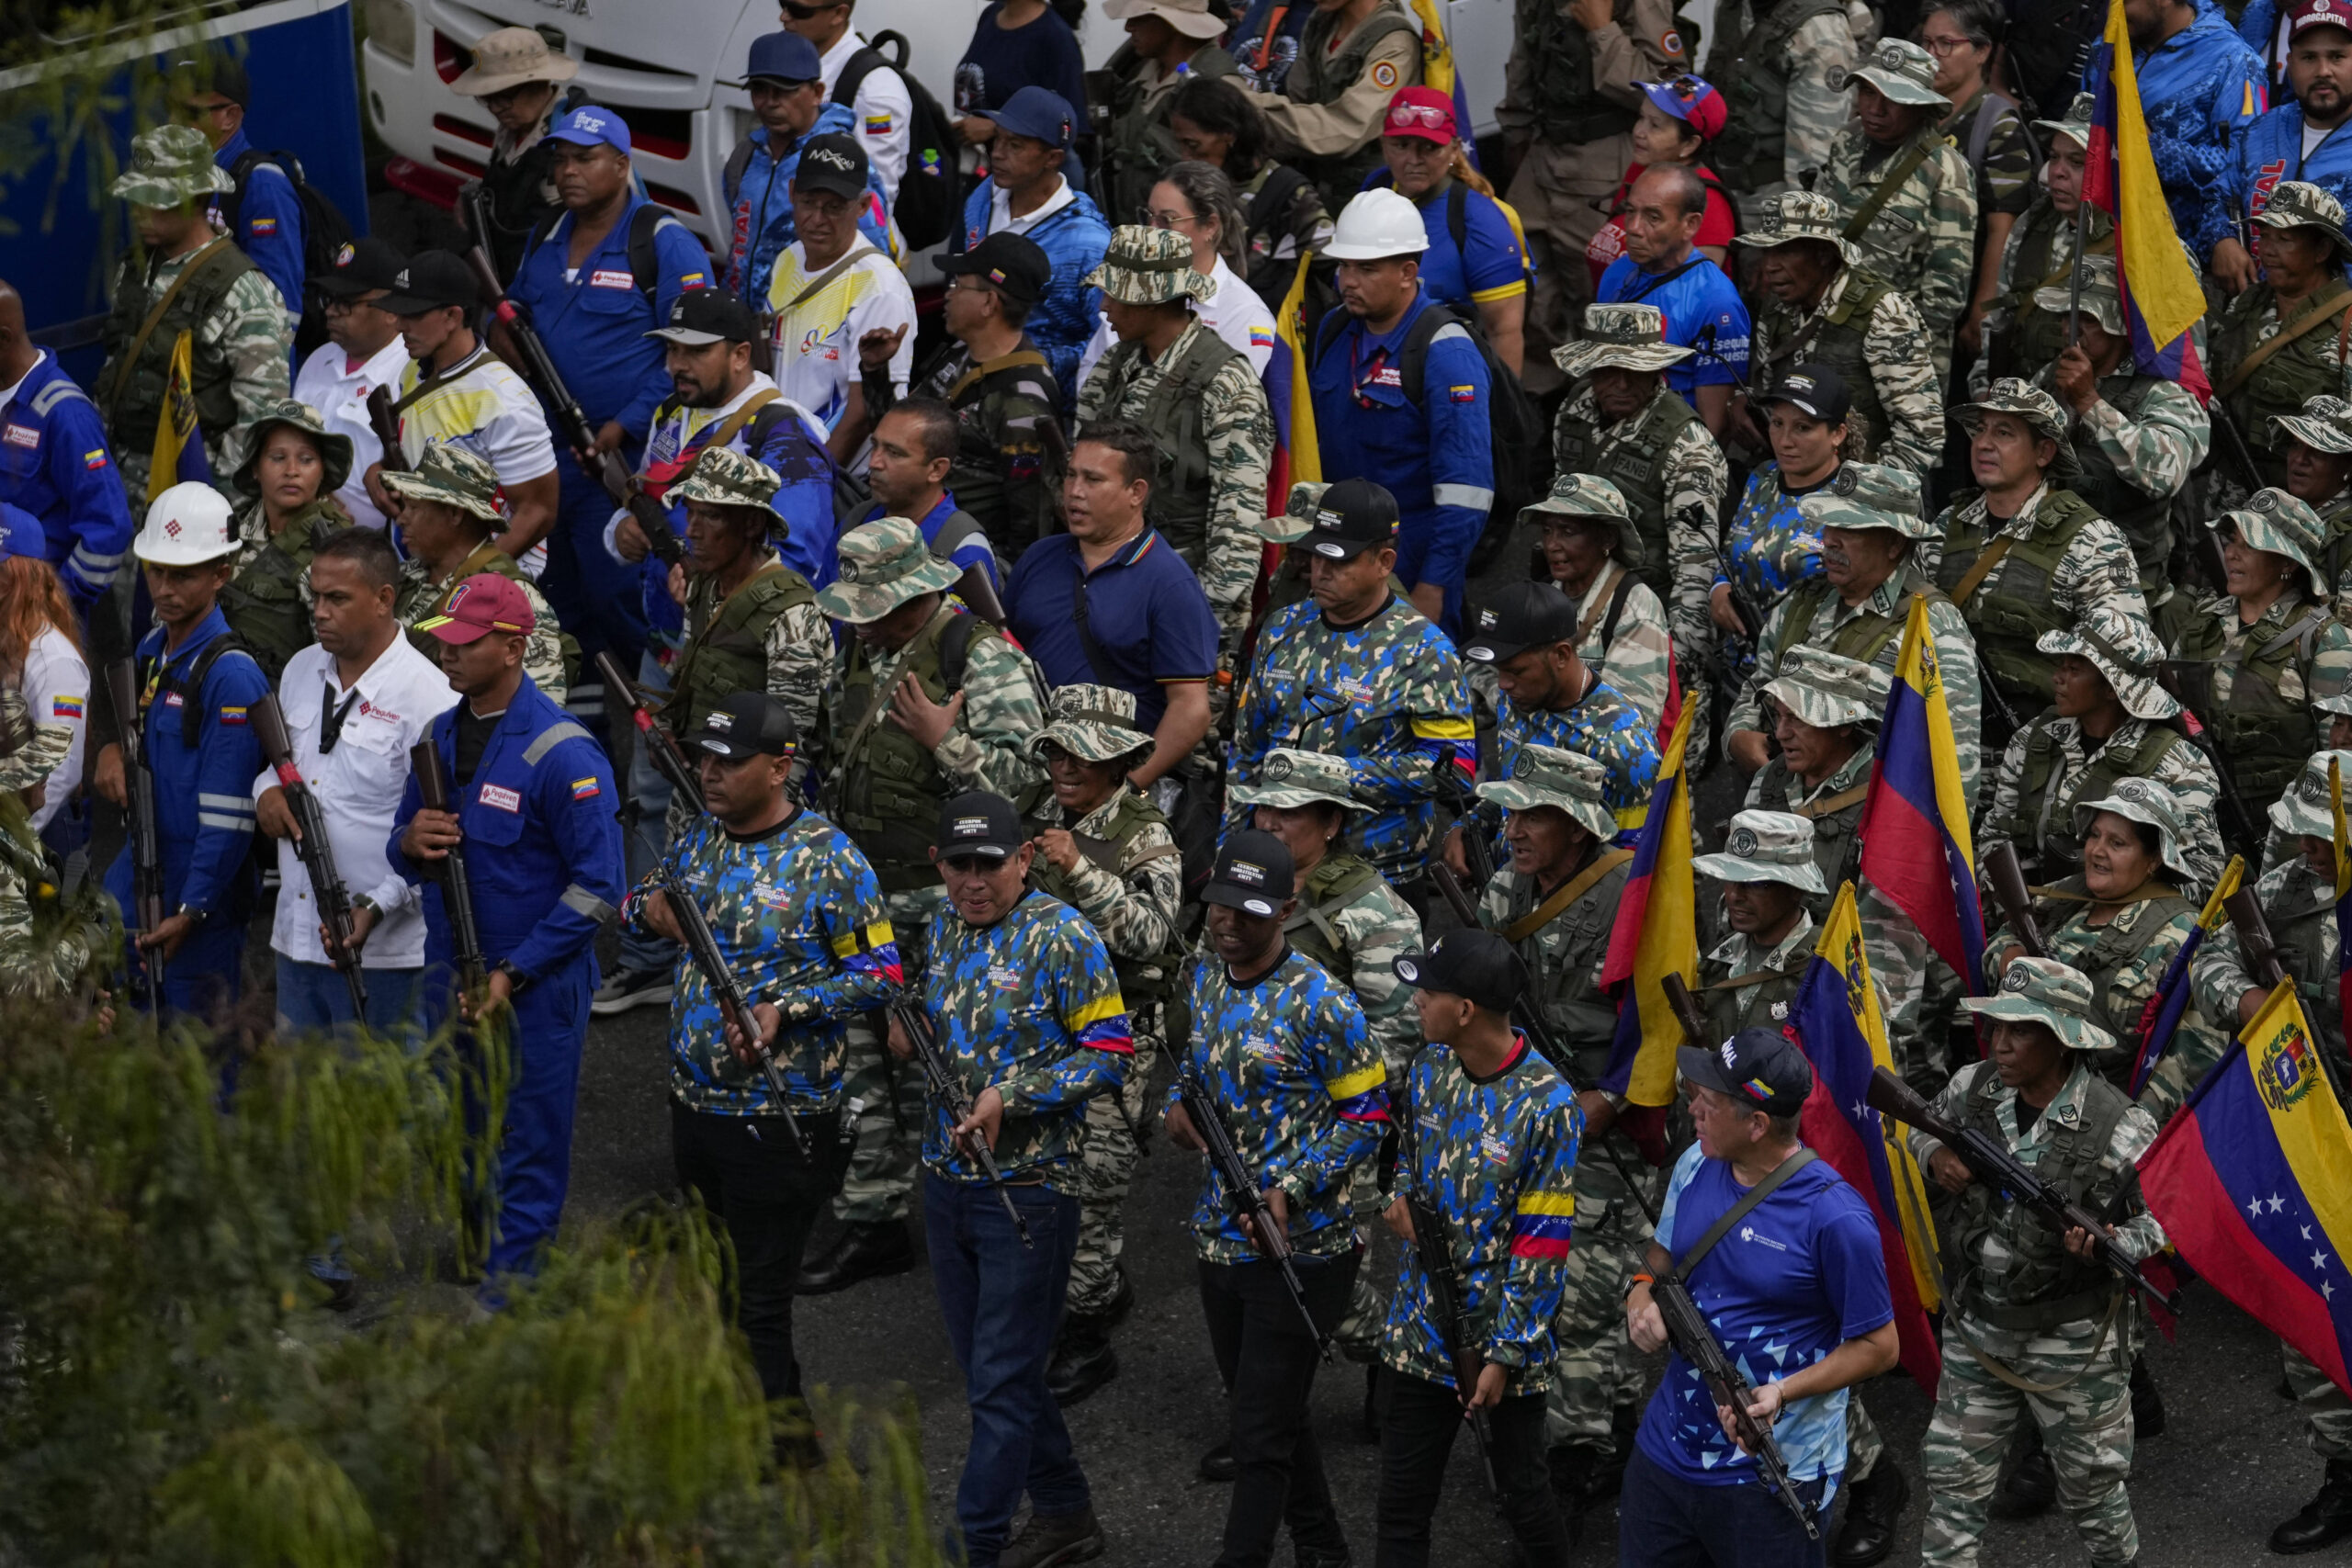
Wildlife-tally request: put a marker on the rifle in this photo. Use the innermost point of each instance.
(1433, 1245)
(1751, 623)
(660, 744)
(949, 1091)
(386, 427)
(1995, 705)
(2254, 938)
(2002, 1171)
(1243, 1196)
(2174, 675)
(978, 594)
(570, 422)
(2007, 877)
(310, 843)
(2241, 459)
(726, 989)
(146, 835)
(1470, 811)
(1687, 1012)
(457, 887)
(1457, 897)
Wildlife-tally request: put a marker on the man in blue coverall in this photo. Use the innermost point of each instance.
(194, 690)
(2279, 146)
(269, 214)
(54, 462)
(1426, 445)
(537, 812)
(593, 309)
(2200, 87)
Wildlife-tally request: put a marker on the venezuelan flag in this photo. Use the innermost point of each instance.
(179, 443)
(1916, 845)
(1297, 459)
(2162, 298)
(1655, 935)
(1835, 1020)
(2253, 1184)
(2343, 883)
(1439, 71)
(2161, 1018)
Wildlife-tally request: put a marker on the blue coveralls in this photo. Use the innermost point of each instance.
(54, 463)
(204, 808)
(543, 858)
(269, 222)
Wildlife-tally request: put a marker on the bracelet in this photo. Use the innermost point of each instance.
(1644, 1279)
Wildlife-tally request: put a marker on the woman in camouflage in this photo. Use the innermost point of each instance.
(291, 464)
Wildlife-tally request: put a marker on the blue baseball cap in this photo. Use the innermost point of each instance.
(784, 57)
(1692, 101)
(592, 125)
(21, 534)
(1038, 113)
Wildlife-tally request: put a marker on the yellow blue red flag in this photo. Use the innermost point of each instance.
(1440, 71)
(180, 441)
(2161, 1018)
(1655, 935)
(1297, 459)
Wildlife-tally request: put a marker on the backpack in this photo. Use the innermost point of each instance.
(325, 230)
(643, 265)
(927, 206)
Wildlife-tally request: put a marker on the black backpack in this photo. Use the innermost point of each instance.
(927, 206)
(644, 266)
(325, 230)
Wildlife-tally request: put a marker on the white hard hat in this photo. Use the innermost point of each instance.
(187, 525)
(1377, 224)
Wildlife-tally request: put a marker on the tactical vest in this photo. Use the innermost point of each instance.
(2010, 609)
(1331, 886)
(1833, 831)
(1583, 1020)
(1754, 140)
(263, 604)
(1319, 76)
(2147, 519)
(1635, 463)
(1867, 635)
(2299, 926)
(2047, 1285)
(1840, 342)
(2335, 555)
(730, 654)
(1138, 147)
(2266, 735)
(1142, 981)
(26, 859)
(2121, 940)
(2021, 338)
(1732, 1009)
(1176, 412)
(131, 392)
(2282, 383)
(1568, 105)
(2045, 835)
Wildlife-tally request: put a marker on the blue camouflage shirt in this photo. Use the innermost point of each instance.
(1769, 548)
(1290, 1065)
(2199, 88)
(1605, 728)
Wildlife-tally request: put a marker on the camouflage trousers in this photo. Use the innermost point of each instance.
(2327, 1414)
(1357, 1336)
(1864, 1447)
(2086, 1426)
(1106, 1162)
(888, 1106)
(1594, 1369)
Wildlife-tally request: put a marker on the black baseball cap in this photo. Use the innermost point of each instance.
(1518, 616)
(222, 72)
(1354, 516)
(1477, 965)
(979, 823)
(431, 280)
(832, 161)
(1253, 873)
(1816, 390)
(700, 317)
(1013, 264)
(1757, 1068)
(747, 724)
(361, 266)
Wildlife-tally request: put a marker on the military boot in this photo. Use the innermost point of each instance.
(1083, 1359)
(1572, 1466)
(860, 1252)
(2323, 1522)
(1217, 1466)
(2147, 1402)
(1049, 1542)
(1872, 1506)
(2032, 1485)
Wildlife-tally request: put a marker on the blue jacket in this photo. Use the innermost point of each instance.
(2258, 26)
(596, 326)
(2272, 150)
(543, 842)
(204, 792)
(1073, 239)
(1434, 459)
(54, 464)
(2200, 89)
(761, 208)
(269, 222)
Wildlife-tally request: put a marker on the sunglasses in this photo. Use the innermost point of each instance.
(804, 13)
(971, 866)
(1404, 116)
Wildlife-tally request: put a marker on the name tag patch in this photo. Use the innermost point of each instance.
(609, 277)
(504, 799)
(22, 436)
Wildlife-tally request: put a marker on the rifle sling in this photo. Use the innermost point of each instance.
(1576, 887)
(2316, 314)
(1812, 811)
(1981, 570)
(1893, 182)
(1741, 1210)
(195, 262)
(1959, 1321)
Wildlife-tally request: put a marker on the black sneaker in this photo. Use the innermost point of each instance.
(630, 988)
(1050, 1543)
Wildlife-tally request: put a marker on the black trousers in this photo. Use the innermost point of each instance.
(765, 1200)
(1418, 1423)
(1268, 1359)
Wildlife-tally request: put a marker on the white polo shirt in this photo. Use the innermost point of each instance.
(335, 385)
(57, 690)
(815, 338)
(883, 110)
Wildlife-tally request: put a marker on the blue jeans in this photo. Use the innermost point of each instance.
(651, 792)
(313, 999)
(1003, 1303)
(1664, 1522)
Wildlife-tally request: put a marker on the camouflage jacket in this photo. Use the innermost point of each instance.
(798, 918)
(1604, 726)
(1133, 908)
(1287, 1062)
(1387, 695)
(988, 747)
(2183, 769)
(1772, 975)
(1031, 1007)
(1562, 957)
(2300, 909)
(1364, 937)
(1902, 368)
(798, 645)
(1009, 450)
(49, 940)
(253, 332)
(1497, 1160)
(1635, 658)
(1923, 239)
(543, 650)
(1693, 478)
(2157, 451)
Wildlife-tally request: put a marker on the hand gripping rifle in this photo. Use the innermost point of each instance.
(661, 746)
(952, 1098)
(734, 1008)
(2004, 1172)
(311, 844)
(456, 886)
(2260, 951)
(2007, 877)
(146, 832)
(1433, 1245)
(386, 427)
(1243, 1195)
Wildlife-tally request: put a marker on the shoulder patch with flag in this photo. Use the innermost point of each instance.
(581, 789)
(1464, 394)
(65, 708)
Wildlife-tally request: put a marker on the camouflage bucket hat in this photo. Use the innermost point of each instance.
(1595, 500)
(1567, 781)
(1766, 846)
(724, 477)
(2299, 204)
(1150, 266)
(1290, 778)
(1903, 71)
(2324, 425)
(2306, 810)
(335, 454)
(2042, 413)
(2142, 800)
(2277, 521)
(452, 476)
(1796, 215)
(2101, 300)
(1869, 495)
(2126, 651)
(2076, 126)
(1825, 689)
(170, 165)
(2044, 991)
(884, 564)
(1298, 518)
(1094, 724)
(1625, 337)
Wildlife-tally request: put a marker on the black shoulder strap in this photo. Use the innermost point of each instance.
(1617, 598)
(1094, 656)
(192, 690)
(1413, 353)
(959, 527)
(1457, 220)
(1328, 330)
(1741, 1210)
(1275, 196)
(643, 265)
(956, 648)
(854, 71)
(730, 179)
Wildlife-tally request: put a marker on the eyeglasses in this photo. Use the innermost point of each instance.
(971, 866)
(1939, 47)
(509, 97)
(199, 110)
(1151, 219)
(804, 13)
(1403, 117)
(1049, 753)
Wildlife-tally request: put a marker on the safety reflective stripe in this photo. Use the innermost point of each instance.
(234, 824)
(227, 803)
(57, 392)
(579, 901)
(1478, 498)
(547, 740)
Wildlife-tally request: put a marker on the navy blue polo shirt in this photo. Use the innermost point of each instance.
(1144, 606)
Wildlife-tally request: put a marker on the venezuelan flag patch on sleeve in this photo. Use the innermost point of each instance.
(1464, 394)
(65, 708)
(581, 789)
(97, 460)
(262, 227)
(879, 124)
(234, 718)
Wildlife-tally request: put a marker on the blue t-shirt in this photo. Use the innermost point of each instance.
(1799, 1276)
(1144, 606)
(1703, 312)
(1490, 264)
(998, 63)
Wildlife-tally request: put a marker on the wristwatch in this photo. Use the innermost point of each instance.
(196, 917)
(515, 979)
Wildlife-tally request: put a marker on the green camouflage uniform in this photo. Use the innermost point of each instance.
(456, 476)
(1897, 354)
(49, 941)
(1691, 479)
(2300, 909)
(1808, 68)
(798, 645)
(2325, 425)
(1010, 453)
(1771, 974)
(1622, 630)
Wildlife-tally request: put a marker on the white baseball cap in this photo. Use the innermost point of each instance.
(1376, 225)
(187, 525)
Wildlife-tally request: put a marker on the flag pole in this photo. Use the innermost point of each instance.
(2074, 283)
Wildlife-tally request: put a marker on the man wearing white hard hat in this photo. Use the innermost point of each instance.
(195, 689)
(1421, 436)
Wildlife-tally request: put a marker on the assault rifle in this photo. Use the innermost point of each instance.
(2255, 942)
(457, 887)
(2009, 891)
(726, 990)
(310, 843)
(386, 427)
(146, 833)
(1433, 1245)
(661, 746)
(1243, 1195)
(946, 1088)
